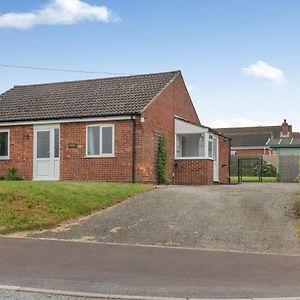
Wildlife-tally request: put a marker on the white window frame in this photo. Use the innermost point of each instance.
(8, 146)
(205, 157)
(210, 138)
(100, 141)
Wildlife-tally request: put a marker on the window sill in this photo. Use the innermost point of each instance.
(99, 156)
(191, 158)
(4, 158)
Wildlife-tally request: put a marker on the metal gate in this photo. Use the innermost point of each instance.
(250, 169)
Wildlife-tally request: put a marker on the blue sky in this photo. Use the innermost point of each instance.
(240, 59)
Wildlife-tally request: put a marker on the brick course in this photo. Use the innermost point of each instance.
(193, 171)
(224, 160)
(21, 155)
(252, 151)
(74, 165)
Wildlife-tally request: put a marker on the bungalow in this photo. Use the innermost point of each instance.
(108, 129)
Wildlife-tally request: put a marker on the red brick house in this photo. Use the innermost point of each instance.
(107, 129)
(256, 140)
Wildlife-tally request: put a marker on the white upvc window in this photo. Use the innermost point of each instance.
(210, 146)
(190, 145)
(195, 146)
(100, 140)
(4, 144)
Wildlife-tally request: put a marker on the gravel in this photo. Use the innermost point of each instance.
(16, 295)
(247, 217)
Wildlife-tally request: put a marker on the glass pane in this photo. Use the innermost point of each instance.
(3, 143)
(215, 149)
(190, 145)
(179, 145)
(107, 140)
(202, 145)
(94, 140)
(43, 144)
(56, 142)
(210, 148)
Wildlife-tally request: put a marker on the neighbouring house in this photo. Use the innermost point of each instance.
(108, 129)
(257, 140)
(285, 146)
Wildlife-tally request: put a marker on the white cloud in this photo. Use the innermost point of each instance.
(262, 70)
(236, 122)
(58, 12)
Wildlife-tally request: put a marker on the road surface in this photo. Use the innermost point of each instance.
(146, 270)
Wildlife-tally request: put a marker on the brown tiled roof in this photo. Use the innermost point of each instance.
(85, 98)
(275, 130)
(296, 135)
(249, 139)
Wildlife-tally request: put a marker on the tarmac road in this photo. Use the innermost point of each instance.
(146, 270)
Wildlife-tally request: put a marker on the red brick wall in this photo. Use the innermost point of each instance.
(224, 160)
(75, 166)
(252, 151)
(21, 155)
(159, 120)
(193, 171)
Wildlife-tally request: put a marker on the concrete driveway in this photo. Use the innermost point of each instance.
(247, 217)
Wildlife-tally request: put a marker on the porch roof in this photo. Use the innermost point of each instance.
(183, 126)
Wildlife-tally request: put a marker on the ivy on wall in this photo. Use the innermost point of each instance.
(161, 161)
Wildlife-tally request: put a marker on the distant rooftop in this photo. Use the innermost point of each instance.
(284, 143)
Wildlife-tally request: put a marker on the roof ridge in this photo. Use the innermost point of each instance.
(96, 79)
(260, 126)
(242, 133)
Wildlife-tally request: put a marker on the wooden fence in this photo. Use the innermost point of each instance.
(288, 168)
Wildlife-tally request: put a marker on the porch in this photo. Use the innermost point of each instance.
(196, 154)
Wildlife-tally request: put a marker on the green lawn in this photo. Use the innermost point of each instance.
(234, 179)
(26, 205)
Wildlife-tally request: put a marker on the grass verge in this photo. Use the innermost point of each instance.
(234, 179)
(28, 205)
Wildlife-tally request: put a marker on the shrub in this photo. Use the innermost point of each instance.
(161, 162)
(12, 175)
(268, 170)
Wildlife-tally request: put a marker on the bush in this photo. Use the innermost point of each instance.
(268, 170)
(12, 175)
(161, 162)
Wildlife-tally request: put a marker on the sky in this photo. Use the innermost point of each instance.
(240, 59)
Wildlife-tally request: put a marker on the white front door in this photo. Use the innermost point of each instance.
(216, 158)
(46, 152)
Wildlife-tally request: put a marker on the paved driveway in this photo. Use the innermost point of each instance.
(247, 217)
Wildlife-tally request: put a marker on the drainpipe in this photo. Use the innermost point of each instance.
(133, 119)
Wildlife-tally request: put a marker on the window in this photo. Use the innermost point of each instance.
(210, 146)
(190, 145)
(56, 142)
(4, 144)
(43, 144)
(196, 146)
(100, 140)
